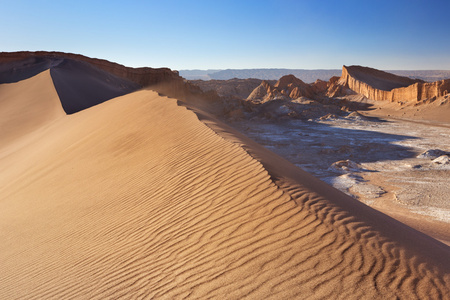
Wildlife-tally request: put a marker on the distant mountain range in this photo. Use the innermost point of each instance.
(307, 76)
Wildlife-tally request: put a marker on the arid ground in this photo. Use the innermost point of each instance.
(375, 160)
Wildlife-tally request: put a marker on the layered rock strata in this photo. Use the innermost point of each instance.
(379, 85)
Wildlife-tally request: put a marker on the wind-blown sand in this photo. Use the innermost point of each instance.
(26, 106)
(137, 198)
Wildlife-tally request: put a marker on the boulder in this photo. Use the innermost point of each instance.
(346, 166)
(433, 154)
(442, 160)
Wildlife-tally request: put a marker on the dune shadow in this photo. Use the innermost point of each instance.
(79, 84)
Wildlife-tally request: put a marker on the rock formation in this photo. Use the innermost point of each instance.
(293, 87)
(368, 82)
(261, 92)
(287, 87)
(379, 85)
(319, 86)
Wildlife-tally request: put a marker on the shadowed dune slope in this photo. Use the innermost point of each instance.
(14, 71)
(136, 198)
(79, 84)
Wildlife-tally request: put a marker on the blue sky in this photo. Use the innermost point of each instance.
(314, 34)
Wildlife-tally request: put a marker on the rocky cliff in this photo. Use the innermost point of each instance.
(379, 85)
(141, 76)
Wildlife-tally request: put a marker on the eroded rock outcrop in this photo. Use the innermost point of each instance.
(378, 85)
(355, 80)
(293, 87)
(287, 87)
(262, 92)
(319, 86)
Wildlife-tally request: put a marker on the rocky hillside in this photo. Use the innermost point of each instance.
(290, 87)
(293, 98)
(231, 88)
(370, 83)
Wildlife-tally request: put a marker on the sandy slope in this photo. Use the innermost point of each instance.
(137, 198)
(27, 109)
(26, 106)
(434, 113)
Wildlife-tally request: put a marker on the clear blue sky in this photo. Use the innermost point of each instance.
(214, 34)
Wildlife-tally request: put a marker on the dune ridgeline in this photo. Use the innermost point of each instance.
(111, 189)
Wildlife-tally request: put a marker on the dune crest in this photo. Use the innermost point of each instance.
(137, 198)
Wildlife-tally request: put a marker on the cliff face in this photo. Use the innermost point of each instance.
(142, 76)
(379, 85)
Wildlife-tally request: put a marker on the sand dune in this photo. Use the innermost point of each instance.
(137, 198)
(27, 106)
(21, 69)
(79, 84)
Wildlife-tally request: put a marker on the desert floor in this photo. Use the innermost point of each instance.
(386, 174)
